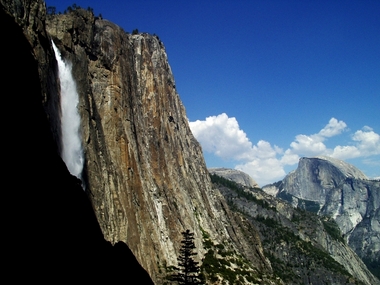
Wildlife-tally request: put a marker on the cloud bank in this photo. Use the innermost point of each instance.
(222, 136)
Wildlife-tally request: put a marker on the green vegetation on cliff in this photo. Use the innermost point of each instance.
(289, 235)
(221, 263)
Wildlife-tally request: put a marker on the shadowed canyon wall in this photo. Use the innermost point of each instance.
(52, 234)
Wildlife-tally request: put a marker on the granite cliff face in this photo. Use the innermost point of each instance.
(140, 154)
(53, 235)
(144, 171)
(333, 188)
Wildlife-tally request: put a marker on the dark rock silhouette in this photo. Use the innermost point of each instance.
(50, 232)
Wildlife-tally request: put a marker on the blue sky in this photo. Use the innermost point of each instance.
(267, 82)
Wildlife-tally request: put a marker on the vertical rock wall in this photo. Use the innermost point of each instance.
(145, 172)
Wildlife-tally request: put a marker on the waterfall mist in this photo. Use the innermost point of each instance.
(72, 151)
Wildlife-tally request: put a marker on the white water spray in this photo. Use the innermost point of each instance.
(72, 151)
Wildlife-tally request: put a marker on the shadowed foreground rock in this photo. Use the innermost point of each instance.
(51, 233)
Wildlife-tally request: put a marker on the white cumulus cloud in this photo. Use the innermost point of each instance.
(264, 162)
(308, 145)
(366, 143)
(312, 145)
(263, 171)
(333, 128)
(222, 136)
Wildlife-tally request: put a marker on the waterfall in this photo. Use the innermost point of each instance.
(72, 151)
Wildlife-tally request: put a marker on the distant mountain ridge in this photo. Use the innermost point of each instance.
(334, 188)
(234, 175)
(302, 247)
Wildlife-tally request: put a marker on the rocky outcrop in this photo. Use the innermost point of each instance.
(333, 188)
(234, 175)
(302, 248)
(316, 177)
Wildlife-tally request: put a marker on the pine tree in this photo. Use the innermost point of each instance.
(188, 270)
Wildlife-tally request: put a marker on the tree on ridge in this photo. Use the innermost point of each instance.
(188, 270)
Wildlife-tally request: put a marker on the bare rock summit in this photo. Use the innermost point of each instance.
(235, 175)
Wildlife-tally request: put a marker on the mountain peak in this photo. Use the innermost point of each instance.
(347, 169)
(235, 175)
(334, 188)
